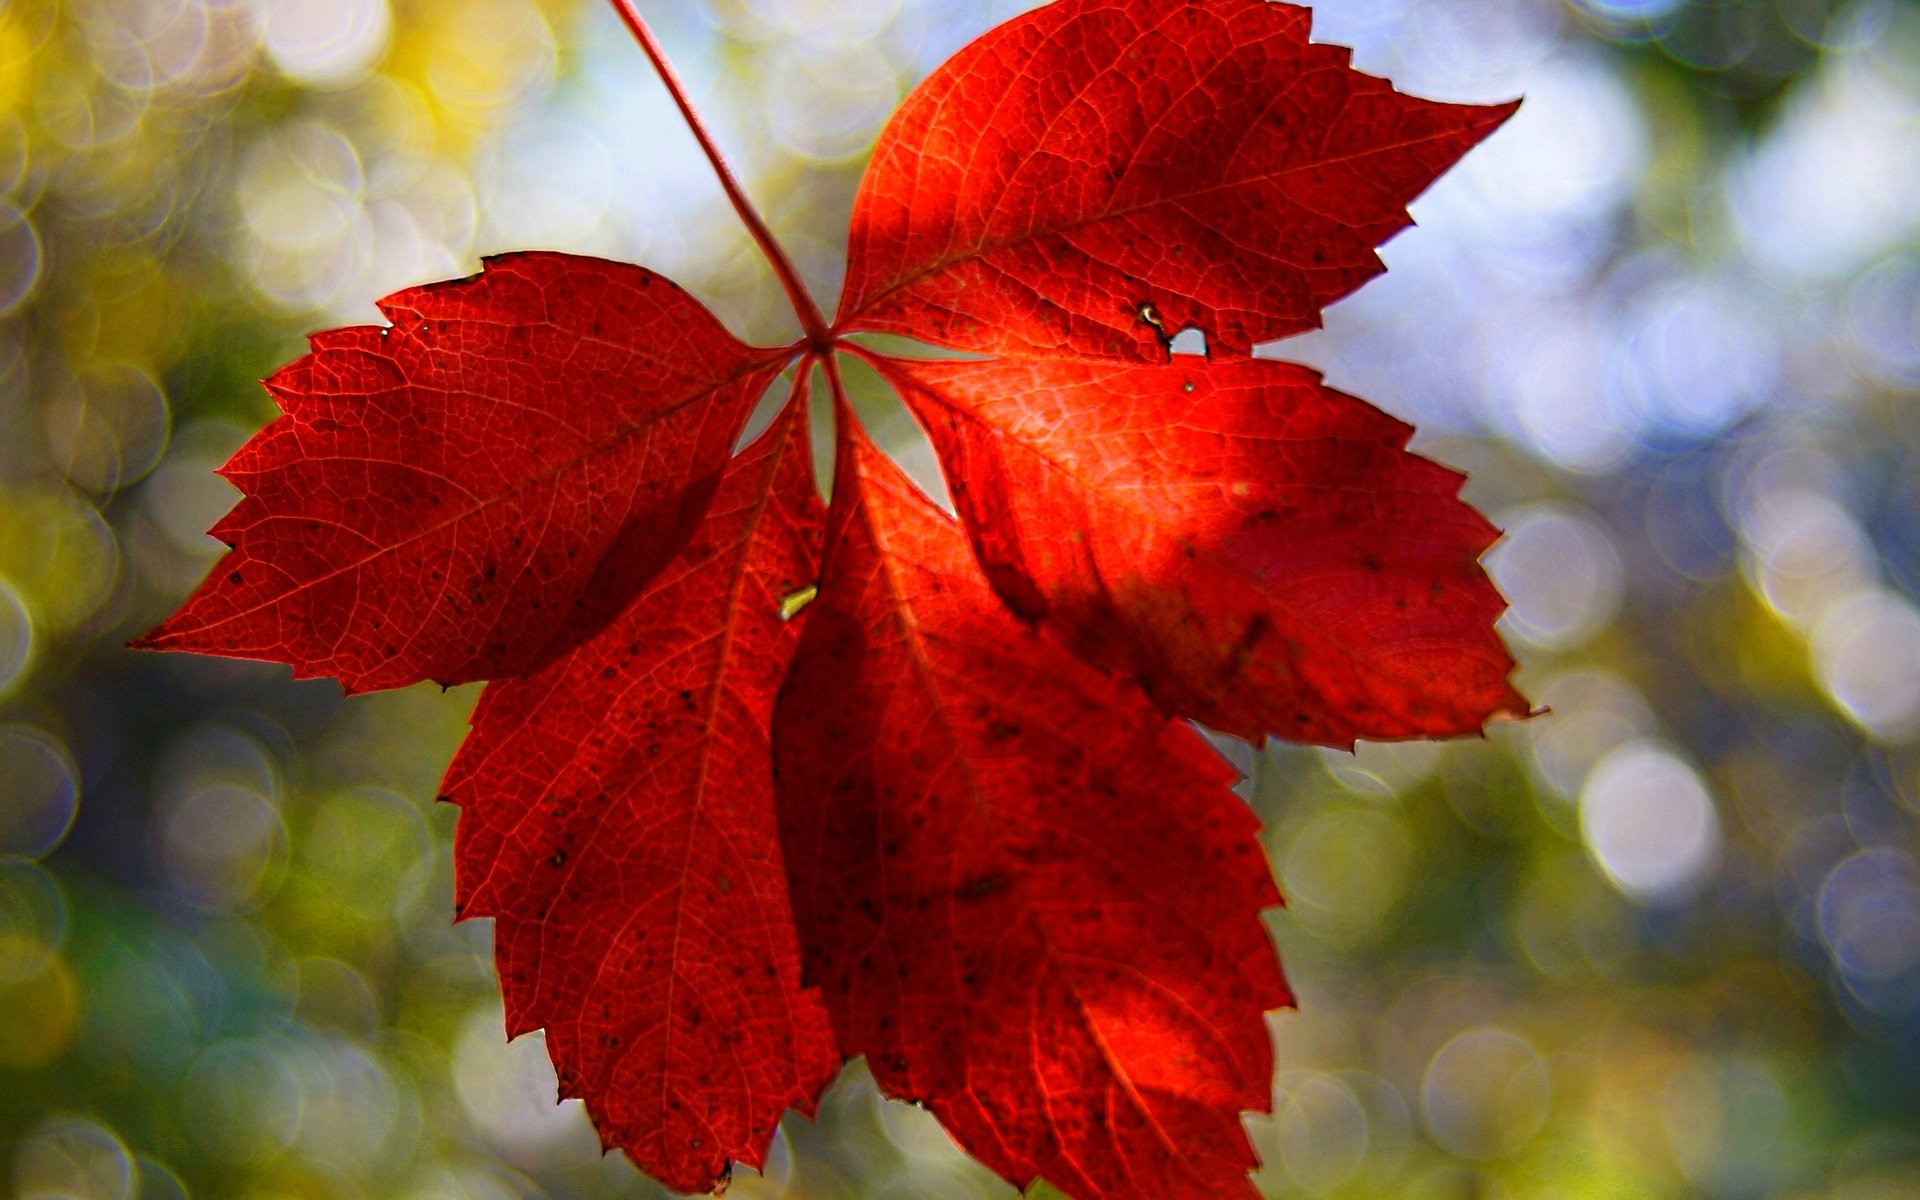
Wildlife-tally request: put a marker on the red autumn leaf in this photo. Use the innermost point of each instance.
(616, 826)
(996, 862)
(469, 492)
(1098, 175)
(1258, 548)
(1031, 900)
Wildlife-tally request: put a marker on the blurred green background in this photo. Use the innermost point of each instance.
(1662, 943)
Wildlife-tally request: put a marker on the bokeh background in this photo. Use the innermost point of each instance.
(1662, 943)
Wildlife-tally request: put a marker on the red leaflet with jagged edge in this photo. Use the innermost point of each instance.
(1261, 550)
(1032, 901)
(1092, 178)
(615, 823)
(467, 493)
(757, 789)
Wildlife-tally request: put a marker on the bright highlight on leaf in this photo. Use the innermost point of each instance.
(758, 788)
(1031, 900)
(1258, 549)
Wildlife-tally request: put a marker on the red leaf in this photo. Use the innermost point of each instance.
(1097, 175)
(1023, 890)
(1031, 901)
(1261, 549)
(476, 489)
(618, 824)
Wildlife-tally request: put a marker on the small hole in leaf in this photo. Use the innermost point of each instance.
(1189, 341)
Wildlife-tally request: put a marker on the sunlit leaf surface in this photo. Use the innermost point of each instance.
(1661, 942)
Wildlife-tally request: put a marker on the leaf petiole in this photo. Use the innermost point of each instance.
(818, 337)
(842, 406)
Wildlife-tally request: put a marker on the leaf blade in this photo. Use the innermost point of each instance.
(1030, 900)
(475, 489)
(617, 822)
(1095, 176)
(1261, 550)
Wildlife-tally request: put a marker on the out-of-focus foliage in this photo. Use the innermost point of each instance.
(1662, 942)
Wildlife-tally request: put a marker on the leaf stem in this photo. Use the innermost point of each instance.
(841, 405)
(845, 425)
(811, 319)
(844, 421)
